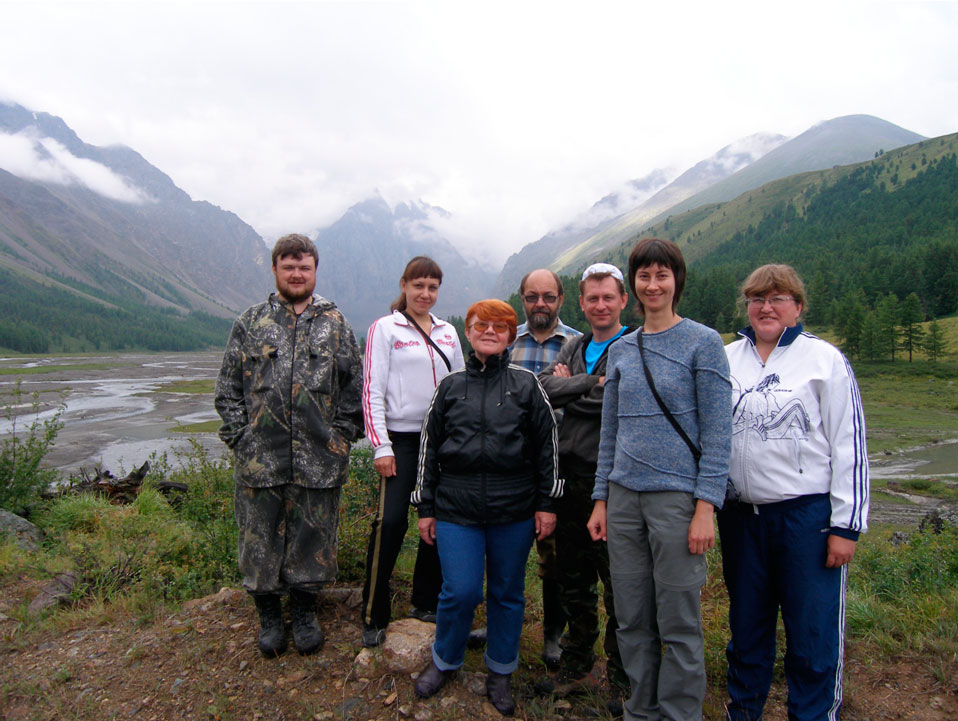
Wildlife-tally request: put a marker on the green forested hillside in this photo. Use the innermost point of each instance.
(861, 236)
(39, 318)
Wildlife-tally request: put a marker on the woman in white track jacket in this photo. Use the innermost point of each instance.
(798, 500)
(407, 353)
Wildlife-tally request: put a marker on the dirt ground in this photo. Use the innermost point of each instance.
(202, 663)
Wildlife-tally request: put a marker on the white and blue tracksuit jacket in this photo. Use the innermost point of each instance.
(798, 427)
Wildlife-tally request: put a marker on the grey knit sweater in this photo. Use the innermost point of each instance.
(638, 447)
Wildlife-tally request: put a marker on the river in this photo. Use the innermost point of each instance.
(116, 413)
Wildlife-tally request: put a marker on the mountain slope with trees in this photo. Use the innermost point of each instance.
(861, 236)
(839, 141)
(95, 230)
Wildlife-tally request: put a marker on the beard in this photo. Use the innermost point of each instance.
(541, 319)
(297, 294)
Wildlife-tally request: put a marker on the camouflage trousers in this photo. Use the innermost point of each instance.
(582, 563)
(287, 537)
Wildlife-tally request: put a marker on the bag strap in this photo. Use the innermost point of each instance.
(696, 453)
(429, 340)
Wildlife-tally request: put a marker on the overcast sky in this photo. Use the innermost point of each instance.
(514, 117)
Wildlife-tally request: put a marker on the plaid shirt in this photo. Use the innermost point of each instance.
(535, 356)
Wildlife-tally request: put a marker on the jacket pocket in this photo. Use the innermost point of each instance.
(258, 369)
(321, 375)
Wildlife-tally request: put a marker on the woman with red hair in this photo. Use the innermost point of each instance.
(486, 487)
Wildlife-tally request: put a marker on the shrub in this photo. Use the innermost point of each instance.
(21, 478)
(357, 507)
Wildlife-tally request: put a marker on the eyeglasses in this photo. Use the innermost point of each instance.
(776, 301)
(533, 298)
(483, 325)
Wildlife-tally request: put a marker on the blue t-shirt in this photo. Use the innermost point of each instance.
(594, 350)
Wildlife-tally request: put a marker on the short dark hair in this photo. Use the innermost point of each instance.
(555, 277)
(295, 245)
(422, 266)
(655, 251)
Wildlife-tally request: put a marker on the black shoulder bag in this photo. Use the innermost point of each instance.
(696, 453)
(429, 340)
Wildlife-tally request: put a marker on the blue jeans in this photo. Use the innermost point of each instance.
(464, 552)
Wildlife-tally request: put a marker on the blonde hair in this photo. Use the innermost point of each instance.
(780, 277)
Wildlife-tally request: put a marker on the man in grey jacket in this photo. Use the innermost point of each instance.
(574, 382)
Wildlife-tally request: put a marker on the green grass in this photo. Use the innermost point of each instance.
(204, 385)
(902, 411)
(202, 427)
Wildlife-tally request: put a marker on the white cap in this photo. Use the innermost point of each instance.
(596, 268)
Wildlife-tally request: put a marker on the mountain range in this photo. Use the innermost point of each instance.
(105, 223)
(733, 170)
(105, 227)
(365, 251)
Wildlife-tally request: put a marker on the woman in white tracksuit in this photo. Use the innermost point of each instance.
(798, 501)
(407, 353)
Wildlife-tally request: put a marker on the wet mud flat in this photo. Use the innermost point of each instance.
(117, 410)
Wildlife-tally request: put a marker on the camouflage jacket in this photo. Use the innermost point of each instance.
(289, 393)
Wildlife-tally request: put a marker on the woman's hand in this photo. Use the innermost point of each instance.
(840, 551)
(702, 528)
(427, 530)
(596, 524)
(386, 466)
(545, 524)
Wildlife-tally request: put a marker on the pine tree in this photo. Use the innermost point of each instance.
(870, 344)
(934, 344)
(888, 315)
(912, 315)
(854, 320)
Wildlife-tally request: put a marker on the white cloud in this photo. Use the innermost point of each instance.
(514, 117)
(45, 160)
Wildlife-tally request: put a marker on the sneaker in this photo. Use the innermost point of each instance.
(566, 684)
(422, 615)
(431, 680)
(373, 636)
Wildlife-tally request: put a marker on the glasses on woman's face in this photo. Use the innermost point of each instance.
(483, 325)
(776, 301)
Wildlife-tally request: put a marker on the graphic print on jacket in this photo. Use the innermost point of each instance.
(758, 409)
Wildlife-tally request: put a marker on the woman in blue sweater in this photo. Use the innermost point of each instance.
(662, 470)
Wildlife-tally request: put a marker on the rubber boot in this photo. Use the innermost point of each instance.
(272, 632)
(499, 689)
(307, 633)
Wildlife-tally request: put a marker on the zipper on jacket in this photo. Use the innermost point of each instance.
(292, 369)
(482, 444)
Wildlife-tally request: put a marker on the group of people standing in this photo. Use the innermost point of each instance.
(612, 449)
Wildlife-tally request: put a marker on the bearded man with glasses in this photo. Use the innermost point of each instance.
(537, 344)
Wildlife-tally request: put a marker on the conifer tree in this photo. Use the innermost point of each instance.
(934, 344)
(888, 315)
(912, 315)
(870, 347)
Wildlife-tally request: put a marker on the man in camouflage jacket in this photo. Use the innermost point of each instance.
(289, 393)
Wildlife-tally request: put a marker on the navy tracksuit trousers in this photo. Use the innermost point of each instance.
(775, 558)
